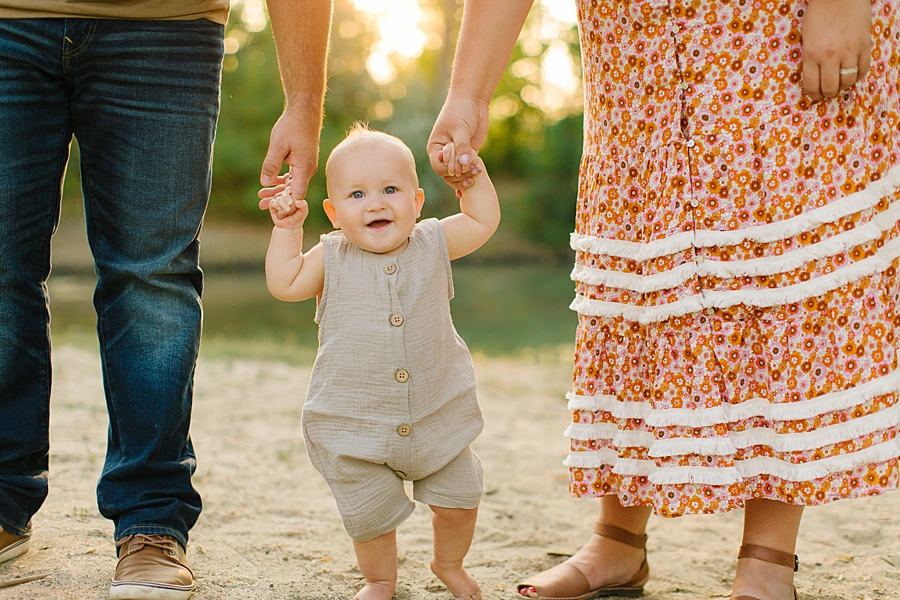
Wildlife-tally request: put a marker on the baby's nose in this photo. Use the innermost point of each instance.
(376, 202)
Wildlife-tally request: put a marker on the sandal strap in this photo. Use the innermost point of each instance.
(769, 555)
(620, 535)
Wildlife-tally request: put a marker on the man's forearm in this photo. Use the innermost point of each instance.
(301, 31)
(489, 32)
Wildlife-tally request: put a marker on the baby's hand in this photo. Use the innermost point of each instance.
(285, 212)
(455, 166)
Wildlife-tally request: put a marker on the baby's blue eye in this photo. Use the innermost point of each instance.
(390, 190)
(356, 194)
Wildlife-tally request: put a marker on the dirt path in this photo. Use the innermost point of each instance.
(270, 530)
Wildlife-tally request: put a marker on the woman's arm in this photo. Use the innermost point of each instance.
(486, 41)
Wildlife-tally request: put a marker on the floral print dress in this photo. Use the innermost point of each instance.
(736, 262)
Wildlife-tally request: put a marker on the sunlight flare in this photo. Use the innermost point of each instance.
(403, 30)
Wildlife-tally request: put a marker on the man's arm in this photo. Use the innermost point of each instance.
(301, 31)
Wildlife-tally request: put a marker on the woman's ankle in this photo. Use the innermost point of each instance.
(763, 580)
(603, 560)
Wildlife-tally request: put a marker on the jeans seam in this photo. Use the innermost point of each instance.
(46, 367)
(84, 45)
(98, 238)
(11, 526)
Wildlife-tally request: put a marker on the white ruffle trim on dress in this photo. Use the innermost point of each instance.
(764, 297)
(736, 440)
(756, 267)
(770, 232)
(733, 413)
(742, 469)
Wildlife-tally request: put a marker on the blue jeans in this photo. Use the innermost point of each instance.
(142, 98)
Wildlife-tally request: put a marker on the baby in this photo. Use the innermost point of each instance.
(392, 394)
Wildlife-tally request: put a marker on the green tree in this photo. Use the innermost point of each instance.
(534, 143)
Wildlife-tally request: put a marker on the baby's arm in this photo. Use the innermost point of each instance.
(479, 212)
(292, 275)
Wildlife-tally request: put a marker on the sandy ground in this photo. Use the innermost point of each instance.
(270, 529)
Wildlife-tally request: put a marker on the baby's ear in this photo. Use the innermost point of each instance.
(420, 201)
(328, 205)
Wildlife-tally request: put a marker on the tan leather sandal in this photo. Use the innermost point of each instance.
(769, 555)
(571, 584)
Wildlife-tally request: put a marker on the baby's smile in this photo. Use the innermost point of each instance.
(378, 224)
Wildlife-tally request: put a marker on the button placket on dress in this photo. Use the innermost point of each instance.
(689, 55)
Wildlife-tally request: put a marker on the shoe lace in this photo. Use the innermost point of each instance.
(163, 542)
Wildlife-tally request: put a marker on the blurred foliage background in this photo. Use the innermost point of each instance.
(390, 65)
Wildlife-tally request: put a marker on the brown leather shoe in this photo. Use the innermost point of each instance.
(151, 567)
(12, 546)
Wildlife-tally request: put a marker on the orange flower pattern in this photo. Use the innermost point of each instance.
(737, 249)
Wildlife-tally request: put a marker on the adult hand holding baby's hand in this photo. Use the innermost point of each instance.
(266, 194)
(294, 141)
(463, 124)
(286, 212)
(456, 168)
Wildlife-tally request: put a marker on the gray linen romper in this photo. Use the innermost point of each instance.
(392, 393)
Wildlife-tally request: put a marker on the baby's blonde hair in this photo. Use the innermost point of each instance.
(361, 133)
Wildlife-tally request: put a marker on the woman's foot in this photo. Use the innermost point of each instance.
(602, 561)
(375, 590)
(458, 581)
(763, 580)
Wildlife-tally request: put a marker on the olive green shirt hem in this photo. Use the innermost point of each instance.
(214, 13)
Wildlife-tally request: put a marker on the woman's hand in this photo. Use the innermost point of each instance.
(837, 46)
(463, 123)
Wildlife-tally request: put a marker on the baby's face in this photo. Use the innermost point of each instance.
(374, 196)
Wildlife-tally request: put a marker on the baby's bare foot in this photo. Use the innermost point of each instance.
(457, 580)
(374, 590)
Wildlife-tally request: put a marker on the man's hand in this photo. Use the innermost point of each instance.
(837, 46)
(463, 123)
(295, 141)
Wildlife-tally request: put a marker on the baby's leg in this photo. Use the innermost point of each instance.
(453, 531)
(378, 562)
(460, 485)
(373, 503)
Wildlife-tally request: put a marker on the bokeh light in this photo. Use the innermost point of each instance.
(253, 14)
(563, 11)
(402, 30)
